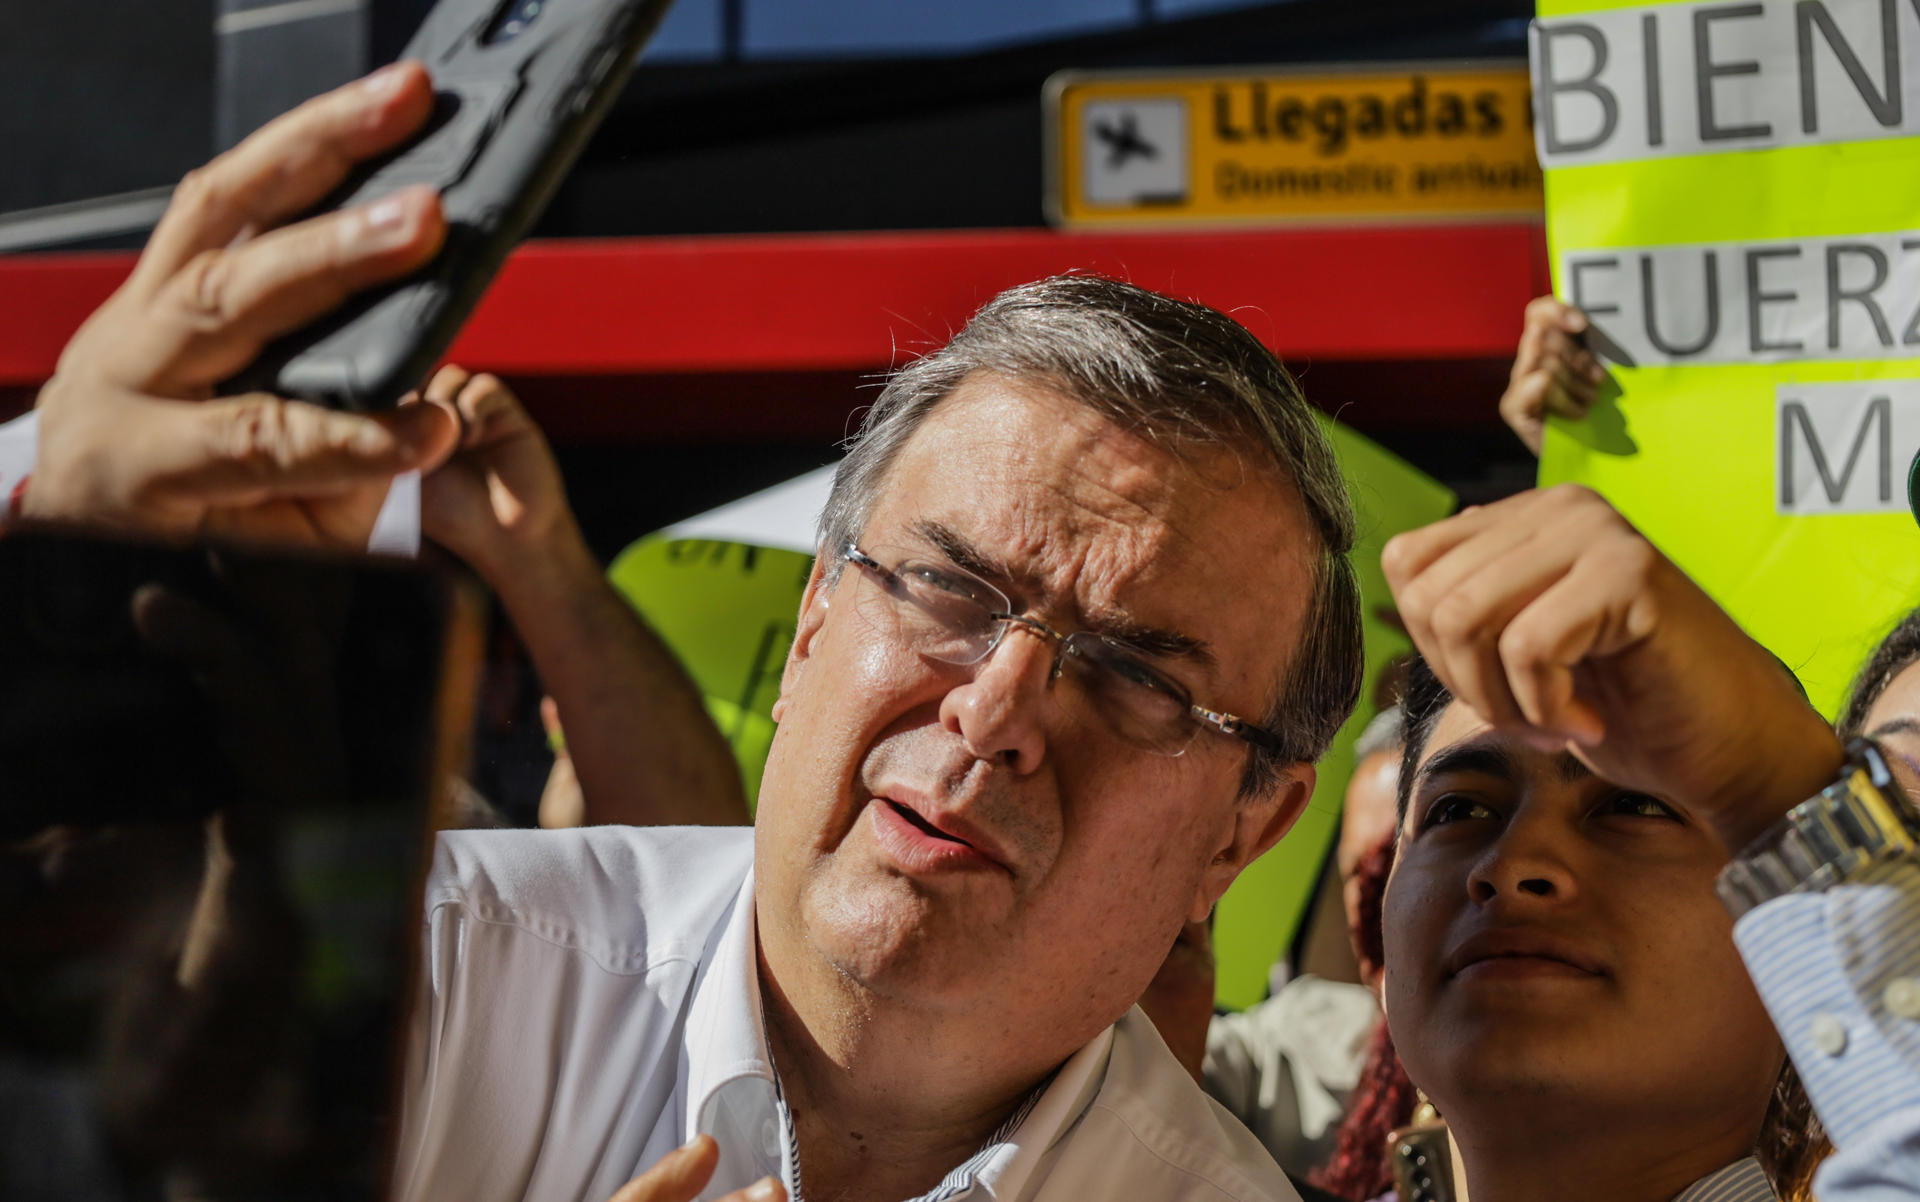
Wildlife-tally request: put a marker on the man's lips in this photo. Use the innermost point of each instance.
(1508, 951)
(925, 837)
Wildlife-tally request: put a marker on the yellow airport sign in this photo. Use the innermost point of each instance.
(1394, 142)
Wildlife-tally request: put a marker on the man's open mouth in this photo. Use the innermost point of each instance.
(915, 820)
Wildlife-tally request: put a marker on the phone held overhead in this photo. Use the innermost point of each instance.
(519, 87)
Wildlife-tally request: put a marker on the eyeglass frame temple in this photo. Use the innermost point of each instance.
(1220, 720)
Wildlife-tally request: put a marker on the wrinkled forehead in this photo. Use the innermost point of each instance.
(1058, 477)
(1089, 518)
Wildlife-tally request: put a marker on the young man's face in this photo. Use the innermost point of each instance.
(1092, 851)
(1554, 943)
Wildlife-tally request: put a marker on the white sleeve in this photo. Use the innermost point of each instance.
(19, 450)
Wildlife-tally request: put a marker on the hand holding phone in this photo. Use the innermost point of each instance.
(519, 85)
(236, 264)
(228, 268)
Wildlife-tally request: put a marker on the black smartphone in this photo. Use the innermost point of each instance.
(219, 771)
(519, 85)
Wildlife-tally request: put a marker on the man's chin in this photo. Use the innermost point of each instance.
(1510, 1058)
(894, 937)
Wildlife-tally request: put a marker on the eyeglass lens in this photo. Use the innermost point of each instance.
(947, 615)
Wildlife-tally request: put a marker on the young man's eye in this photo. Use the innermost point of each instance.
(1454, 807)
(1639, 805)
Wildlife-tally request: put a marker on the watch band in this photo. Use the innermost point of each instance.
(1860, 819)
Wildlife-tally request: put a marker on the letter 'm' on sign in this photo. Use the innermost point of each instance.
(1844, 448)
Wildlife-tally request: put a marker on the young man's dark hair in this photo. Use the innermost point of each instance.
(1899, 648)
(1421, 706)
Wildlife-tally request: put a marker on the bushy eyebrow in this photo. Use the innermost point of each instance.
(963, 554)
(1490, 759)
(1135, 636)
(1477, 759)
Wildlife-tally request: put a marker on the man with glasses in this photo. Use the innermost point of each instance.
(1034, 720)
(1082, 623)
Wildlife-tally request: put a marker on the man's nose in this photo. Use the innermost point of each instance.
(1000, 712)
(1526, 864)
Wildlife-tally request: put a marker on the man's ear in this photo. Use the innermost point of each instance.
(1258, 824)
(813, 612)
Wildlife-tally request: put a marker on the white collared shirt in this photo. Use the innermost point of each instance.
(592, 1002)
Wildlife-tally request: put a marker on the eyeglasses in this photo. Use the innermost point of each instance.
(951, 616)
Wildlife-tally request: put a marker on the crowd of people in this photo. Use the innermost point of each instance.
(1630, 915)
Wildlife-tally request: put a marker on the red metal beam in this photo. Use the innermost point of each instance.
(860, 301)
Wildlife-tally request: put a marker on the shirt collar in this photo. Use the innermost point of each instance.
(730, 1087)
(1006, 1162)
(1741, 1181)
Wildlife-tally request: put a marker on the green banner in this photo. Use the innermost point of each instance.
(727, 610)
(1729, 198)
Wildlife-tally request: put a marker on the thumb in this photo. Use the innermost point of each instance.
(679, 1176)
(257, 447)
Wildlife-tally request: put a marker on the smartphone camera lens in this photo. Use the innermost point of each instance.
(513, 19)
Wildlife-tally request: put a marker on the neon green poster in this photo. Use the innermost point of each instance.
(727, 610)
(1729, 197)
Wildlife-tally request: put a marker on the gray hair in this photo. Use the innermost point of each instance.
(1386, 732)
(1168, 368)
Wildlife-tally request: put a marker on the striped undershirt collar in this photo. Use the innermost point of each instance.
(1741, 1181)
(961, 1180)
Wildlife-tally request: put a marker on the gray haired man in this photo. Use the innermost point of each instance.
(1081, 622)
(1034, 720)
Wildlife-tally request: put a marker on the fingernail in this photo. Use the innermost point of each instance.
(386, 222)
(384, 81)
(373, 439)
(764, 1190)
(387, 214)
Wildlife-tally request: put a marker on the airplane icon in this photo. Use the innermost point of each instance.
(1124, 141)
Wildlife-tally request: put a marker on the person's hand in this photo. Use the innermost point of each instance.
(500, 497)
(1552, 617)
(1552, 371)
(130, 433)
(682, 1173)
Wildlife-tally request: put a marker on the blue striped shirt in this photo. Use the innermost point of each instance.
(1839, 972)
(1741, 1181)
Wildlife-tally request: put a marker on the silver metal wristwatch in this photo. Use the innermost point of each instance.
(1863, 818)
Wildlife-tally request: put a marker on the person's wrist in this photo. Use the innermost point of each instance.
(1786, 769)
(538, 561)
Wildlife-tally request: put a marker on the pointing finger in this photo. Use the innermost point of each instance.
(679, 1176)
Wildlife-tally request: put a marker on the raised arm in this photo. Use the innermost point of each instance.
(1552, 617)
(222, 275)
(641, 742)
